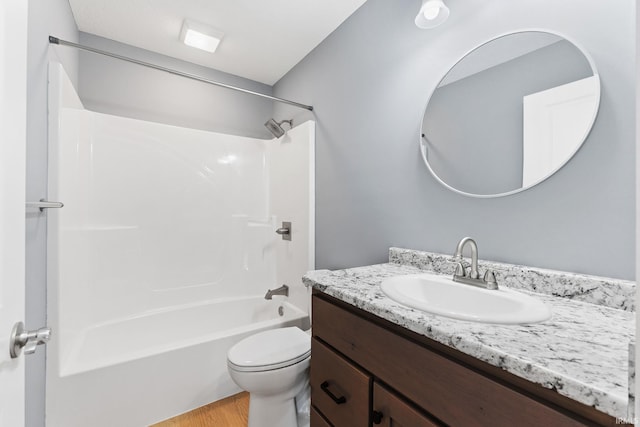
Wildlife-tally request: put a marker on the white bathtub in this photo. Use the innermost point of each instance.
(145, 369)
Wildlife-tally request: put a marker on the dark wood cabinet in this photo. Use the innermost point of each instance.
(366, 371)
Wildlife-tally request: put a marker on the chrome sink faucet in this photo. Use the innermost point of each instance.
(473, 278)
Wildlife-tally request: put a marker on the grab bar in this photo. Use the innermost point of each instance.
(44, 204)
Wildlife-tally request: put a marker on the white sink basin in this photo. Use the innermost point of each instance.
(441, 295)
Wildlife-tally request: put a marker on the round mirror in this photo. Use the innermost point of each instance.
(509, 114)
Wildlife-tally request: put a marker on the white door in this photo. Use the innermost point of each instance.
(13, 114)
(555, 123)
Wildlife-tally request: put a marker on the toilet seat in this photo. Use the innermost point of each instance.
(269, 350)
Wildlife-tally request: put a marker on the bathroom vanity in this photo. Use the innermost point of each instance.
(376, 362)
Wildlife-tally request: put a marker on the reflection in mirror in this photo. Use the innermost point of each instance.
(509, 114)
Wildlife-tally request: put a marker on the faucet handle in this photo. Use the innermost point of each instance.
(460, 270)
(490, 279)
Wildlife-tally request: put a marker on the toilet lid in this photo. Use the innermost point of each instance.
(272, 349)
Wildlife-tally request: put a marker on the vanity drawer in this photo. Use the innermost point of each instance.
(450, 391)
(339, 390)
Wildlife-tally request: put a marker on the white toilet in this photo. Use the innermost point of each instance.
(273, 366)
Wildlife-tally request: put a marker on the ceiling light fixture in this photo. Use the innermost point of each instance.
(200, 36)
(432, 13)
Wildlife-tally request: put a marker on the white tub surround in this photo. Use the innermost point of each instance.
(581, 352)
(161, 257)
(291, 198)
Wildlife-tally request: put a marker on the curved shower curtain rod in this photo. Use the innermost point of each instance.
(55, 40)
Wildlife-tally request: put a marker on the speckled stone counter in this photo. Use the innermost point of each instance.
(582, 352)
(632, 383)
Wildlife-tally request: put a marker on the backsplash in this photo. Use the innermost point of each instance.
(614, 293)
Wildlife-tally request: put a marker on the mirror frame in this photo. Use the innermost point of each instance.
(423, 140)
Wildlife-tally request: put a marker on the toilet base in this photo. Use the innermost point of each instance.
(270, 411)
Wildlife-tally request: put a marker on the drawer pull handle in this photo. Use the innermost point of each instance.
(339, 400)
(377, 417)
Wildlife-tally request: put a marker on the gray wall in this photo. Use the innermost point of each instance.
(477, 121)
(46, 17)
(369, 83)
(116, 87)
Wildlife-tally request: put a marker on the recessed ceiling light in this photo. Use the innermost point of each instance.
(200, 36)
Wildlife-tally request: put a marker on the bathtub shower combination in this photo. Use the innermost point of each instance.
(159, 261)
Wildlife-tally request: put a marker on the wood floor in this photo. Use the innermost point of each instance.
(230, 412)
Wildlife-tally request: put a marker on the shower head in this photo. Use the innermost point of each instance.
(275, 127)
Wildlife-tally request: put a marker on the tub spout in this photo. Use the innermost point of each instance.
(282, 290)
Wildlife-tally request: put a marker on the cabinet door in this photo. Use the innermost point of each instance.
(389, 410)
(317, 420)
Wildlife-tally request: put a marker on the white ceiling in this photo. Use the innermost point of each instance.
(263, 40)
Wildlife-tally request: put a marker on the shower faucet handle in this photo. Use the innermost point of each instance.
(285, 230)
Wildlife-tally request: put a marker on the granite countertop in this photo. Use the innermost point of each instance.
(582, 352)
